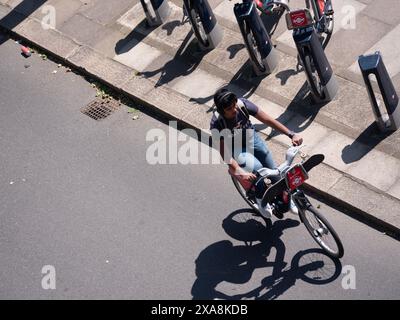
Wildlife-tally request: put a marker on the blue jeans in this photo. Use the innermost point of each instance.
(255, 156)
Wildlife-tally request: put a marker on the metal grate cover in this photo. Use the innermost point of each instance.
(100, 109)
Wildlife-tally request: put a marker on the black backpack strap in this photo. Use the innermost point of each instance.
(220, 120)
(244, 109)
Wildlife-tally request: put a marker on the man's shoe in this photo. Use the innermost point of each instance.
(266, 211)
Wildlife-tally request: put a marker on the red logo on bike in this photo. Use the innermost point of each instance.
(299, 19)
(295, 177)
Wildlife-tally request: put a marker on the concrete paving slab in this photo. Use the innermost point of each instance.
(389, 47)
(378, 169)
(387, 11)
(354, 41)
(64, 10)
(138, 86)
(330, 146)
(351, 106)
(4, 11)
(106, 12)
(395, 190)
(201, 85)
(225, 9)
(52, 40)
(199, 116)
(231, 53)
(377, 205)
(111, 71)
(323, 177)
(139, 56)
(107, 45)
(172, 103)
(287, 80)
(85, 31)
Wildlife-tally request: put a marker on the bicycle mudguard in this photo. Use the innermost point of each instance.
(278, 187)
(313, 161)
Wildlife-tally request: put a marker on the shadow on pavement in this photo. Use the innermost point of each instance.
(224, 262)
(141, 31)
(185, 61)
(234, 49)
(19, 14)
(364, 143)
(300, 113)
(244, 83)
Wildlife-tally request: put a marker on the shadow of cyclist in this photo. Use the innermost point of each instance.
(224, 262)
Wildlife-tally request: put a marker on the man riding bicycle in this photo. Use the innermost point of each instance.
(252, 154)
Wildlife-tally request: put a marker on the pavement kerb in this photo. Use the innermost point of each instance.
(354, 210)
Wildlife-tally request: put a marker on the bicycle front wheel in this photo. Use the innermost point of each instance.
(321, 231)
(251, 202)
(197, 24)
(252, 48)
(313, 76)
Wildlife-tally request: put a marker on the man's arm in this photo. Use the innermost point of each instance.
(268, 120)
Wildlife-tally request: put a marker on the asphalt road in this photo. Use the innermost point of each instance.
(79, 195)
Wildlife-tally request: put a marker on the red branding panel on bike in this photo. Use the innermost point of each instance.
(299, 19)
(296, 176)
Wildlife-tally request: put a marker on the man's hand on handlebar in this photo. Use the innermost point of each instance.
(297, 140)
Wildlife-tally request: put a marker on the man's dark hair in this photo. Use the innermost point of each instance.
(223, 99)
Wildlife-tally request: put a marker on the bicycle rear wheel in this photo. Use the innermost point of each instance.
(321, 231)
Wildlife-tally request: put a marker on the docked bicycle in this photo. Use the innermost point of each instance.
(312, 29)
(204, 23)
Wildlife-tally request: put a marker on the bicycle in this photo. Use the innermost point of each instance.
(289, 178)
(322, 21)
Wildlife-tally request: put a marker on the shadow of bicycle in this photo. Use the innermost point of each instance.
(235, 264)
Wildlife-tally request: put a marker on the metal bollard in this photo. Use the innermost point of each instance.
(204, 23)
(157, 11)
(307, 41)
(253, 29)
(389, 118)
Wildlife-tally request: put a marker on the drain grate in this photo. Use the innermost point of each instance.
(100, 109)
